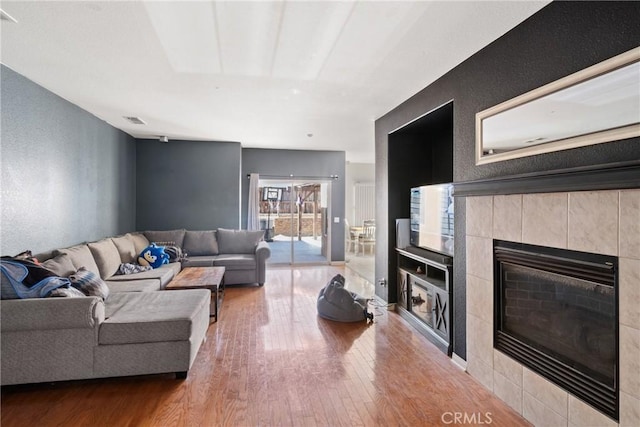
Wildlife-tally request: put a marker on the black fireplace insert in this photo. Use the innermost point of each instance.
(556, 312)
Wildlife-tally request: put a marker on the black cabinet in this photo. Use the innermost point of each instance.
(424, 293)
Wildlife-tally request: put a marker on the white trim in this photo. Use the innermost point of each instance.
(459, 361)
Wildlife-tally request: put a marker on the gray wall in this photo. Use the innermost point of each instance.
(562, 38)
(301, 163)
(188, 184)
(67, 176)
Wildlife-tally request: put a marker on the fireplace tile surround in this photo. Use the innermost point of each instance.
(605, 222)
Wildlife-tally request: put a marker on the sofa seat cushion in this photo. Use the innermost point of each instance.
(142, 285)
(173, 266)
(236, 262)
(164, 274)
(199, 261)
(143, 317)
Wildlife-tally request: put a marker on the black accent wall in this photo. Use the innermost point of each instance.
(67, 176)
(420, 153)
(562, 38)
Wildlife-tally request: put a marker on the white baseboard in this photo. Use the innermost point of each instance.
(459, 361)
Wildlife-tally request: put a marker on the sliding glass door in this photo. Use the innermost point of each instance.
(295, 216)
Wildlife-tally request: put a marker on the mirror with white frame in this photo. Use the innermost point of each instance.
(598, 104)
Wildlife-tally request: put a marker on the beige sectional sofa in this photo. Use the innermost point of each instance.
(138, 329)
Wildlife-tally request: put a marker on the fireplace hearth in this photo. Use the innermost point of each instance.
(556, 312)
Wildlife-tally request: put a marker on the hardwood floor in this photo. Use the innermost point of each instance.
(270, 360)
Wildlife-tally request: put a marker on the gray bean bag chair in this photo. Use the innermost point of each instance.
(337, 303)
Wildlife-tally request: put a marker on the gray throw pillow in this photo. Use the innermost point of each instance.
(89, 283)
(200, 243)
(238, 241)
(61, 265)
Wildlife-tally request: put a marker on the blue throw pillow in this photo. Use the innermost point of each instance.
(153, 256)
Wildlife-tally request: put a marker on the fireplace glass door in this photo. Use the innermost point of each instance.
(569, 318)
(556, 313)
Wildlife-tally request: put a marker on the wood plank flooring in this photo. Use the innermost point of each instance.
(271, 361)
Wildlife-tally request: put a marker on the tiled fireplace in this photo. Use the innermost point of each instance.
(598, 222)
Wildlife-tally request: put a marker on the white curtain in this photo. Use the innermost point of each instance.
(364, 195)
(253, 211)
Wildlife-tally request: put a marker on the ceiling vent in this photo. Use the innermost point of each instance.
(135, 120)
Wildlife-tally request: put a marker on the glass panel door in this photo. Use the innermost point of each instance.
(295, 217)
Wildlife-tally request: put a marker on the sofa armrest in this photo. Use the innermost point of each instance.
(263, 252)
(51, 313)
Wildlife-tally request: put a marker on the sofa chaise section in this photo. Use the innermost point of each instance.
(152, 332)
(49, 339)
(131, 333)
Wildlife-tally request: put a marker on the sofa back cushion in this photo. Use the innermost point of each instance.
(238, 241)
(106, 256)
(166, 237)
(61, 265)
(200, 243)
(125, 247)
(139, 242)
(80, 257)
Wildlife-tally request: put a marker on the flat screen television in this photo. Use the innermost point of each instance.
(431, 221)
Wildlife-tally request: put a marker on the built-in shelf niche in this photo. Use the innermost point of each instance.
(420, 153)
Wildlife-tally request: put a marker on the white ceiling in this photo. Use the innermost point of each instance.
(265, 73)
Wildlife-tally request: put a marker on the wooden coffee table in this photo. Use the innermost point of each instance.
(211, 278)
